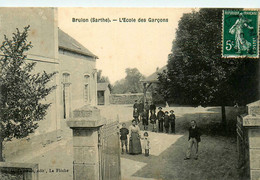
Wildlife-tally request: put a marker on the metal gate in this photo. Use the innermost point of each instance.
(109, 152)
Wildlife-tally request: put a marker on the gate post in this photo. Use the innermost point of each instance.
(85, 125)
(251, 141)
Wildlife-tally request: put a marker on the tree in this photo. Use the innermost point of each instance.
(131, 83)
(102, 79)
(197, 74)
(22, 93)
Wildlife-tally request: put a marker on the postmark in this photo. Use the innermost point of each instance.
(240, 34)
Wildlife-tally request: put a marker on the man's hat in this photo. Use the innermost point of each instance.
(166, 111)
(171, 110)
(160, 107)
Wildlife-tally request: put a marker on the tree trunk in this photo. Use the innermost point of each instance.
(224, 119)
(1, 151)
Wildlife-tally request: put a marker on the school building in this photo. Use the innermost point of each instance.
(55, 50)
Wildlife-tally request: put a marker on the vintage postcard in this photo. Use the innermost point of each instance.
(129, 93)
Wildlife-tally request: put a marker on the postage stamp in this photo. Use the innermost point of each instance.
(240, 34)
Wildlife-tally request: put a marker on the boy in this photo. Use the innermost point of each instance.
(160, 117)
(153, 121)
(166, 122)
(136, 115)
(152, 107)
(140, 109)
(194, 139)
(145, 120)
(172, 121)
(147, 108)
(135, 106)
(123, 137)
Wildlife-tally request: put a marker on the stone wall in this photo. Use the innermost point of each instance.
(127, 98)
(20, 147)
(14, 171)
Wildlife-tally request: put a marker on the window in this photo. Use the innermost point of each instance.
(66, 78)
(86, 89)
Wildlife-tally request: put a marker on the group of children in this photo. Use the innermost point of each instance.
(165, 120)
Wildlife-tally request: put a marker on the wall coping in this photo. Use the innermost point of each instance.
(251, 121)
(18, 165)
(85, 123)
(256, 103)
(86, 117)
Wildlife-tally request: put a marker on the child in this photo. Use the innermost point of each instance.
(146, 144)
(160, 117)
(136, 115)
(153, 120)
(172, 121)
(145, 120)
(166, 122)
(123, 137)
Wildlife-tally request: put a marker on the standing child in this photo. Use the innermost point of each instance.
(146, 144)
(145, 120)
(147, 108)
(160, 117)
(153, 120)
(136, 115)
(172, 121)
(123, 137)
(166, 122)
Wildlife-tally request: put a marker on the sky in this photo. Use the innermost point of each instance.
(121, 45)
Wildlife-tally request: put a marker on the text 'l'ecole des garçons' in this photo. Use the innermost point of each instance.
(120, 20)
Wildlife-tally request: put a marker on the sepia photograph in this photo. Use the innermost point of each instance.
(117, 93)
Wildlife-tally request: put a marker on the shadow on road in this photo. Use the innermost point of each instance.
(217, 160)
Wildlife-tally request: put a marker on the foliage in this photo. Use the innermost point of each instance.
(131, 83)
(101, 78)
(197, 75)
(22, 93)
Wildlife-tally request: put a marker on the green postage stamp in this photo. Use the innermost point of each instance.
(240, 34)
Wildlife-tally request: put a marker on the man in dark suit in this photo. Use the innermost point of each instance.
(160, 117)
(172, 121)
(194, 139)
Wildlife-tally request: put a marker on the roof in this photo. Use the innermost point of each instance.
(68, 43)
(103, 86)
(154, 77)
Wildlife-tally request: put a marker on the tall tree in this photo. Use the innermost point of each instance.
(197, 74)
(131, 83)
(22, 93)
(101, 78)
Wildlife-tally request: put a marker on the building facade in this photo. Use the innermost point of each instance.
(55, 51)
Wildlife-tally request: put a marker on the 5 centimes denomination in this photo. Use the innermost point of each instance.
(240, 34)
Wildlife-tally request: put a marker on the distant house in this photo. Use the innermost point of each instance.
(103, 93)
(153, 79)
